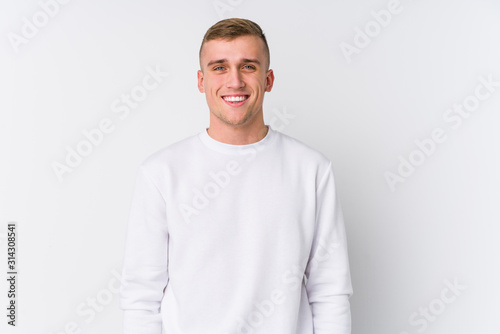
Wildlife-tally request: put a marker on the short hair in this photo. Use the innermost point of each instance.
(230, 29)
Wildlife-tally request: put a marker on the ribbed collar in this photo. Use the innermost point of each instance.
(235, 149)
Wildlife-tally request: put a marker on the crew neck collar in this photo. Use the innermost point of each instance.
(235, 149)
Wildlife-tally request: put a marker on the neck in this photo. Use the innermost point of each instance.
(238, 135)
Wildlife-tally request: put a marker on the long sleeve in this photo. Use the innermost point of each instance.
(328, 275)
(145, 268)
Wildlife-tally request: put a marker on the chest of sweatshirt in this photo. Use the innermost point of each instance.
(253, 211)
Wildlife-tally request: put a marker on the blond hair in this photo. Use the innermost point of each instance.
(230, 29)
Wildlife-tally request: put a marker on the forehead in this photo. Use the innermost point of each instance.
(233, 50)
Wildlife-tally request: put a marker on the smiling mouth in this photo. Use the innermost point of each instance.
(235, 99)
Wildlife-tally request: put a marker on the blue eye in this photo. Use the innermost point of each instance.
(217, 68)
(250, 66)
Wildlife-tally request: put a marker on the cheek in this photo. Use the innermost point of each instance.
(211, 95)
(212, 87)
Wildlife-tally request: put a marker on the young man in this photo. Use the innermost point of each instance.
(237, 229)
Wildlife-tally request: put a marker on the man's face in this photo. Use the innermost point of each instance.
(234, 78)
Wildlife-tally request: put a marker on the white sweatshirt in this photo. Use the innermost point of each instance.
(236, 239)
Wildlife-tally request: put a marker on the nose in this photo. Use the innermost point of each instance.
(235, 80)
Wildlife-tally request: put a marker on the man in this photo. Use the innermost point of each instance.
(237, 229)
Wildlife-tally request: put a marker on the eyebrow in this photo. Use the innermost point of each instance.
(221, 61)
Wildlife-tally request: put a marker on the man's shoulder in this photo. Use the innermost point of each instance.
(172, 152)
(302, 150)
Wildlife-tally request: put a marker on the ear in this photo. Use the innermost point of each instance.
(269, 80)
(201, 87)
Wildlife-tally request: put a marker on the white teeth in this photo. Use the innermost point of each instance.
(235, 98)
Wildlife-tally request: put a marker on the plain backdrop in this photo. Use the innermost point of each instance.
(65, 69)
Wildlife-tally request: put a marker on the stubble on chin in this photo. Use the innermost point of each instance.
(221, 116)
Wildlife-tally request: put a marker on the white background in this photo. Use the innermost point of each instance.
(364, 112)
